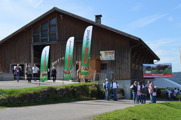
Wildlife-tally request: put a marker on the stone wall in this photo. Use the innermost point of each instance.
(6, 77)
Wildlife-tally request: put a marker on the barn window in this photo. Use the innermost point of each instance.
(103, 66)
(46, 32)
(44, 26)
(36, 33)
(53, 21)
(52, 37)
(52, 29)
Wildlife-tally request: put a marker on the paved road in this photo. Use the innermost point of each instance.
(81, 110)
(24, 83)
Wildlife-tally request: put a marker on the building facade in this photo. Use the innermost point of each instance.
(55, 27)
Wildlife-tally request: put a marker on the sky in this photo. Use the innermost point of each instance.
(156, 22)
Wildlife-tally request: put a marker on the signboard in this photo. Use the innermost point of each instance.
(44, 64)
(157, 70)
(107, 55)
(86, 46)
(68, 59)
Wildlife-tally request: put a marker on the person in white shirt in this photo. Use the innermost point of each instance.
(169, 94)
(175, 93)
(114, 86)
(35, 72)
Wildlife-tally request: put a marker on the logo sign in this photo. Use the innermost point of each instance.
(69, 58)
(86, 51)
(44, 64)
(107, 55)
(157, 70)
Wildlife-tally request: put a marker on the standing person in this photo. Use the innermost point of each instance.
(17, 72)
(104, 86)
(138, 92)
(150, 90)
(169, 94)
(175, 93)
(154, 93)
(54, 73)
(78, 75)
(35, 72)
(107, 85)
(29, 72)
(134, 91)
(114, 87)
(143, 94)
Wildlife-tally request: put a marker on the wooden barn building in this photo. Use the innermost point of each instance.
(55, 27)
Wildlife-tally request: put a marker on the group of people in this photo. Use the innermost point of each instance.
(172, 93)
(107, 86)
(32, 71)
(139, 92)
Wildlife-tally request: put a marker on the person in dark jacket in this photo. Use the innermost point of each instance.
(54, 72)
(134, 91)
(143, 94)
(17, 72)
(29, 72)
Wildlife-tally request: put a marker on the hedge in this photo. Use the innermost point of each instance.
(47, 95)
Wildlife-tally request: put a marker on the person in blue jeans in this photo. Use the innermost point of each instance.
(114, 87)
(134, 91)
(17, 72)
(150, 90)
(107, 86)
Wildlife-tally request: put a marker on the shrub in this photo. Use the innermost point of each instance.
(48, 95)
(179, 97)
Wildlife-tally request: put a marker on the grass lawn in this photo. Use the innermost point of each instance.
(159, 111)
(17, 92)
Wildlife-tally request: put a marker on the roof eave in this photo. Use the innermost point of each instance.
(144, 44)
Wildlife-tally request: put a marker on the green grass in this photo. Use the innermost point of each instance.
(156, 71)
(17, 92)
(159, 111)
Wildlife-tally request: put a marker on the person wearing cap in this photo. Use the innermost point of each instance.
(107, 86)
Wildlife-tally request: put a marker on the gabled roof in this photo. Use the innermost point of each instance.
(83, 19)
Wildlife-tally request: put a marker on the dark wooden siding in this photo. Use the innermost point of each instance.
(140, 56)
(17, 49)
(101, 40)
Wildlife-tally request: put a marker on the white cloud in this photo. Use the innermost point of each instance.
(170, 19)
(167, 50)
(142, 22)
(136, 7)
(36, 3)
